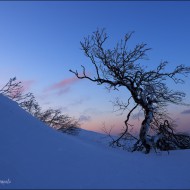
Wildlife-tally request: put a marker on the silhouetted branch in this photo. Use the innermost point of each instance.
(119, 67)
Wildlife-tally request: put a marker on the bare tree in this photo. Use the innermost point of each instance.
(59, 121)
(120, 67)
(52, 117)
(14, 90)
(31, 106)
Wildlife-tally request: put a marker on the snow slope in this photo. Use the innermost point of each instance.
(33, 155)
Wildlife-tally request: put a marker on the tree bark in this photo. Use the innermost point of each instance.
(145, 126)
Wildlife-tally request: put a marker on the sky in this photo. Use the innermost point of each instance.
(40, 42)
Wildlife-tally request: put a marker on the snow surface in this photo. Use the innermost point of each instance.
(33, 155)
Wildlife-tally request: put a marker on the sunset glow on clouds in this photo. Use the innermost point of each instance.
(27, 84)
(40, 43)
(62, 87)
(62, 84)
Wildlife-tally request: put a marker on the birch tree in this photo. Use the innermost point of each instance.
(120, 67)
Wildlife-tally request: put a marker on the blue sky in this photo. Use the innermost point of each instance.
(40, 42)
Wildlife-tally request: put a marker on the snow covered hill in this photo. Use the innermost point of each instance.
(33, 155)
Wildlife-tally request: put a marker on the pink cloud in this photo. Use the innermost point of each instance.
(62, 84)
(27, 85)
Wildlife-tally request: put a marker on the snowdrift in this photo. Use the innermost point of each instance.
(34, 155)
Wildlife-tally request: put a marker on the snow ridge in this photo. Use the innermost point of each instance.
(34, 155)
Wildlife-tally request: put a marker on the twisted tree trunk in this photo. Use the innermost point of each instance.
(145, 128)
